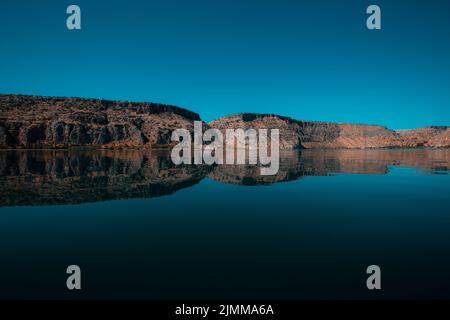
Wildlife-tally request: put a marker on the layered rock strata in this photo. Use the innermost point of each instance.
(31, 122)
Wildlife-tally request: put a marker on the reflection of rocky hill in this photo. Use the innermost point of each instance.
(57, 177)
(295, 164)
(291, 168)
(65, 177)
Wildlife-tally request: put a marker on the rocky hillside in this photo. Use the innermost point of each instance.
(31, 122)
(296, 134)
(435, 136)
(45, 122)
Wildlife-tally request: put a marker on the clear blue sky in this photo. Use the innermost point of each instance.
(312, 60)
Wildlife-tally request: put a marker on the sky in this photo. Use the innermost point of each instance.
(310, 60)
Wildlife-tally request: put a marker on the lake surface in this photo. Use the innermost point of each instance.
(141, 227)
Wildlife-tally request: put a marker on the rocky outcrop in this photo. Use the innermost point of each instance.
(30, 122)
(295, 134)
(431, 137)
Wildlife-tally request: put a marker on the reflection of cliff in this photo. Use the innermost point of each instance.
(65, 177)
(295, 165)
(57, 177)
(291, 168)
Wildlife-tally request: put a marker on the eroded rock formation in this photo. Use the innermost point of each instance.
(30, 122)
(295, 134)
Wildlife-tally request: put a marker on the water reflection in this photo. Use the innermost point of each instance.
(67, 177)
(58, 177)
(298, 164)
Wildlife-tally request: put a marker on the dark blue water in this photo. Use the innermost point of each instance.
(140, 227)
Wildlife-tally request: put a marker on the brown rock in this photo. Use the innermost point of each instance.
(431, 137)
(33, 122)
(296, 134)
(47, 122)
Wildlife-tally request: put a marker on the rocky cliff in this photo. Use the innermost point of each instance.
(298, 134)
(45, 122)
(31, 122)
(435, 136)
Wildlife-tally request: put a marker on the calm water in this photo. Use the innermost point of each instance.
(140, 227)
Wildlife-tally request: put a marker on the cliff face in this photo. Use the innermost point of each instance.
(435, 136)
(296, 134)
(45, 122)
(31, 122)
